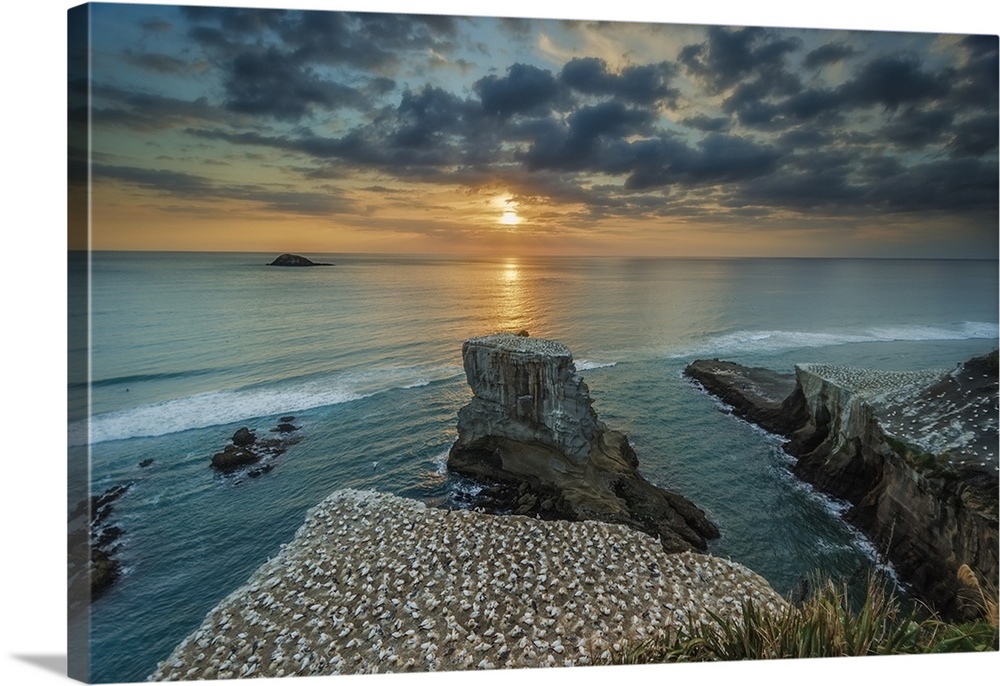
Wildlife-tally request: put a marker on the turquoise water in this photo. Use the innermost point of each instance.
(366, 355)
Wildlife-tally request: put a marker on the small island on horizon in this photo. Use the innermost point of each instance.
(289, 260)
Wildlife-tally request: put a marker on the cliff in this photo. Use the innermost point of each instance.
(914, 452)
(530, 429)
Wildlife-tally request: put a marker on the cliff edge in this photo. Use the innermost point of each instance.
(914, 452)
(531, 431)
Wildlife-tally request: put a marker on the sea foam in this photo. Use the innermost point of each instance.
(221, 407)
(745, 341)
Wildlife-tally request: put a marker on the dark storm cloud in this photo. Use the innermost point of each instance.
(640, 84)
(896, 84)
(156, 62)
(271, 61)
(426, 118)
(975, 137)
(717, 158)
(365, 40)
(175, 183)
(975, 83)
(830, 53)
(955, 185)
(149, 112)
(194, 187)
(525, 89)
(916, 128)
(729, 56)
(156, 26)
(705, 123)
(275, 84)
(575, 145)
(892, 81)
(235, 20)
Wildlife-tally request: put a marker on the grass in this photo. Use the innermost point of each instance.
(826, 624)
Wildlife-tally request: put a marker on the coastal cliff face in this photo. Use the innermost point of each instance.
(915, 454)
(527, 390)
(530, 430)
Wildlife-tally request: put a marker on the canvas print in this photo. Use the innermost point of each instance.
(423, 343)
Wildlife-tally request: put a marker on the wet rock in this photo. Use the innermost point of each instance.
(243, 437)
(92, 545)
(247, 449)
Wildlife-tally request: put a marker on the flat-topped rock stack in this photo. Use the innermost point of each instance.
(530, 430)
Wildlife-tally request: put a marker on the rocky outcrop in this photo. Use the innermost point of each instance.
(531, 431)
(93, 547)
(290, 260)
(245, 448)
(759, 395)
(914, 452)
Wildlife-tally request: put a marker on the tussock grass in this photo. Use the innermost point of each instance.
(826, 624)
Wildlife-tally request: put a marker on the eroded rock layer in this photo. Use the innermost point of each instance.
(531, 427)
(914, 452)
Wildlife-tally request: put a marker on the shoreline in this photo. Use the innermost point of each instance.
(375, 583)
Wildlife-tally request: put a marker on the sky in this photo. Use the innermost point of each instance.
(320, 132)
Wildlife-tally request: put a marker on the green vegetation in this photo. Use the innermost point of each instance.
(928, 464)
(826, 624)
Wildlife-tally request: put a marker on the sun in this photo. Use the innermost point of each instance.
(510, 218)
(507, 207)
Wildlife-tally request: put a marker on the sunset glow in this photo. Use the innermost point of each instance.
(276, 130)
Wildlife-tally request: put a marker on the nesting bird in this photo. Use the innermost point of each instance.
(464, 590)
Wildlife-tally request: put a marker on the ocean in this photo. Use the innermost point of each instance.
(186, 348)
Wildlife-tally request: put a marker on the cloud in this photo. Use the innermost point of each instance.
(274, 84)
(975, 137)
(892, 81)
(728, 120)
(525, 89)
(193, 187)
(917, 128)
(730, 56)
(828, 53)
(641, 84)
(575, 145)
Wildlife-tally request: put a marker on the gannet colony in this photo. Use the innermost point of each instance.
(376, 583)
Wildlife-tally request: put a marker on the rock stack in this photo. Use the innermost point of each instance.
(531, 432)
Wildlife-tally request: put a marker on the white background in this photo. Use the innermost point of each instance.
(33, 376)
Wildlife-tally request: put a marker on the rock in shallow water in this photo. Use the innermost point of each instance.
(531, 425)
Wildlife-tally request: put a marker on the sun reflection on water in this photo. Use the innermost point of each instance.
(514, 305)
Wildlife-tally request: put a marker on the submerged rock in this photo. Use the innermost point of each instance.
(914, 452)
(530, 428)
(290, 260)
